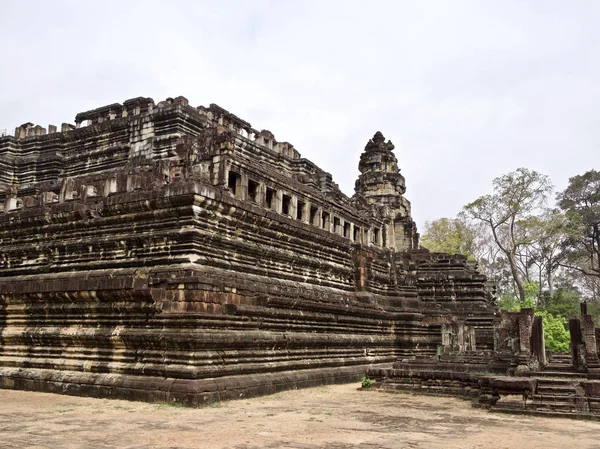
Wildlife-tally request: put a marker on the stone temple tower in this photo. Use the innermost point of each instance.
(380, 187)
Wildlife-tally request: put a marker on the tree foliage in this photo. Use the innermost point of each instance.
(556, 335)
(548, 259)
(538, 257)
(449, 235)
(581, 203)
(516, 197)
(547, 250)
(564, 303)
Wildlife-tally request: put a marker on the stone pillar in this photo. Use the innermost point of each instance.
(447, 338)
(305, 212)
(243, 193)
(317, 218)
(385, 236)
(261, 193)
(525, 326)
(591, 350)
(277, 198)
(391, 239)
(326, 220)
(538, 349)
(576, 347)
(294, 207)
(472, 341)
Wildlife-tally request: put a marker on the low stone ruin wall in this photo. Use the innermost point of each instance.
(561, 397)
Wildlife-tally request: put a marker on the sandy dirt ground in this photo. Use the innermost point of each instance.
(331, 417)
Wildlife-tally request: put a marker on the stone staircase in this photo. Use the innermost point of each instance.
(553, 397)
(557, 395)
(558, 392)
(561, 365)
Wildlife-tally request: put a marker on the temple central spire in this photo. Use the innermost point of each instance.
(380, 185)
(379, 174)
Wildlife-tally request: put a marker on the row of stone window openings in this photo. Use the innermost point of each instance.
(234, 182)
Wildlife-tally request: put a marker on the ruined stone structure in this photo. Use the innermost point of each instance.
(161, 252)
(517, 376)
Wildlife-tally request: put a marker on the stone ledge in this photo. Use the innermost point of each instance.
(189, 392)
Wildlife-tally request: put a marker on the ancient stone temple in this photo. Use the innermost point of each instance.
(164, 252)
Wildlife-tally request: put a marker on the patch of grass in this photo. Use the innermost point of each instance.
(170, 404)
(176, 404)
(212, 404)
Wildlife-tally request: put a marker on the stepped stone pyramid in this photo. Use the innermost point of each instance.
(165, 252)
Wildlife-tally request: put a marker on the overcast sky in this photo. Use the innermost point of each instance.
(466, 90)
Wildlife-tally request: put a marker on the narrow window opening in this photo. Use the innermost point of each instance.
(357, 231)
(233, 182)
(300, 211)
(253, 190)
(270, 194)
(286, 200)
(336, 225)
(346, 229)
(376, 236)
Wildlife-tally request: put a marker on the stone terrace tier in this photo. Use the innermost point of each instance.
(164, 252)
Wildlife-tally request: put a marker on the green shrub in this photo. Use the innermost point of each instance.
(556, 335)
(366, 382)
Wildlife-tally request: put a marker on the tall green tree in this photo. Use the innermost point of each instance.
(517, 196)
(581, 203)
(547, 250)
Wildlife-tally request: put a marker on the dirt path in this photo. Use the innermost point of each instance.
(332, 417)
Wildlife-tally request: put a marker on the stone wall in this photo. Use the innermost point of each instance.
(164, 252)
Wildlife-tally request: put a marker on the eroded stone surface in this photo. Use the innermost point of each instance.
(158, 251)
